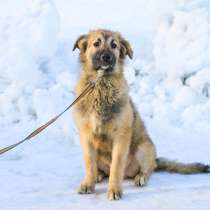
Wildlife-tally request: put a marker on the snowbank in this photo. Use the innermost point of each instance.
(35, 82)
(172, 89)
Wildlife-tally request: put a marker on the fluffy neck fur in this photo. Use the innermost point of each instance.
(108, 97)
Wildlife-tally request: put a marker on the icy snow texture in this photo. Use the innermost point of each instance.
(169, 81)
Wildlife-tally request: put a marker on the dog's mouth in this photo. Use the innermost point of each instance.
(104, 60)
(105, 68)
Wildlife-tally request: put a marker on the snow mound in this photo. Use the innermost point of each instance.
(182, 48)
(172, 90)
(33, 81)
(182, 58)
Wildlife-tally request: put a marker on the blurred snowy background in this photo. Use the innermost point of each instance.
(169, 80)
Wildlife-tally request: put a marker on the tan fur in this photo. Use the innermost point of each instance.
(172, 166)
(114, 140)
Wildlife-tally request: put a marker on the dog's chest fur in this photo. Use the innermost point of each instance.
(104, 103)
(101, 108)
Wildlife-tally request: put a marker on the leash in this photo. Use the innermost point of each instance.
(89, 88)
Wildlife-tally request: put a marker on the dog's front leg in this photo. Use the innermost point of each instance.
(90, 157)
(119, 159)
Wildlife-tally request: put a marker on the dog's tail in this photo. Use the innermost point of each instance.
(164, 164)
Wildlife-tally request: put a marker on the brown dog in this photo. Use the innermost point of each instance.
(114, 140)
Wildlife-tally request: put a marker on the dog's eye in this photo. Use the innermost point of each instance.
(113, 45)
(97, 43)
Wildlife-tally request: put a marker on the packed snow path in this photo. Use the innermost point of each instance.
(49, 180)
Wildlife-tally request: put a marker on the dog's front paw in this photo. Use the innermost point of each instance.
(114, 193)
(86, 188)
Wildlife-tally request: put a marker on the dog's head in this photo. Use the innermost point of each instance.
(103, 50)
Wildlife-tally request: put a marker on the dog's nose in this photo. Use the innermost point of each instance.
(106, 57)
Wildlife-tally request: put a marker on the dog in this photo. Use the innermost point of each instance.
(112, 134)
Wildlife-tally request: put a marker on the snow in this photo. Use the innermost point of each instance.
(169, 83)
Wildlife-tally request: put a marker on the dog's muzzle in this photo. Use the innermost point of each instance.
(104, 60)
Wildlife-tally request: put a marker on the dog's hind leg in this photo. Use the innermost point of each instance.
(146, 157)
(100, 176)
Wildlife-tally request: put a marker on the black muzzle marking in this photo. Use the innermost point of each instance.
(104, 60)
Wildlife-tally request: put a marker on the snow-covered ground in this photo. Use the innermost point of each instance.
(169, 80)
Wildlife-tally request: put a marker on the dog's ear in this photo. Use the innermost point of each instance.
(125, 49)
(81, 43)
